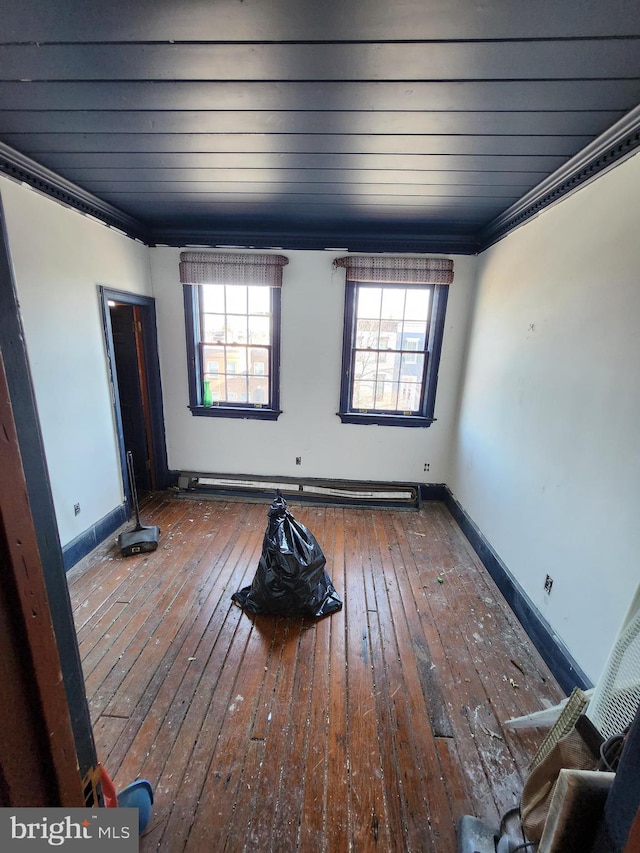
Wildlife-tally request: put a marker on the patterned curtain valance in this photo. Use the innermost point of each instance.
(384, 268)
(227, 268)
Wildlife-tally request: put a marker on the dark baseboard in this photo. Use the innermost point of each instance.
(433, 492)
(91, 538)
(557, 657)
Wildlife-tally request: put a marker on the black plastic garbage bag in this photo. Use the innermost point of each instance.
(290, 579)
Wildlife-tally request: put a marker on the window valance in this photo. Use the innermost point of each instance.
(400, 270)
(231, 268)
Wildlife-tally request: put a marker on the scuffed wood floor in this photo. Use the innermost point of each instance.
(372, 729)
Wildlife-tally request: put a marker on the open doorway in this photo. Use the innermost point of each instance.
(130, 334)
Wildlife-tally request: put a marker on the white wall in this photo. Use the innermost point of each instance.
(59, 258)
(546, 459)
(312, 323)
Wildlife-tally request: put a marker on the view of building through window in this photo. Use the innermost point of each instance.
(235, 343)
(389, 356)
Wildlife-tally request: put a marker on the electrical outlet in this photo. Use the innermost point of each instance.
(298, 460)
(548, 583)
(76, 509)
(426, 466)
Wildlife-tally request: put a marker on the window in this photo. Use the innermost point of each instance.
(394, 323)
(232, 311)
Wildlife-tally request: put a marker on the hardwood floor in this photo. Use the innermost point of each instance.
(372, 729)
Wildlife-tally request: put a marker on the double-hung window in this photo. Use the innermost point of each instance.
(394, 325)
(232, 312)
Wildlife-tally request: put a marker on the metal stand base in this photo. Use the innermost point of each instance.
(474, 836)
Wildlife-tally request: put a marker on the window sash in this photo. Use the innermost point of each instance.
(244, 381)
(226, 376)
(400, 383)
(267, 409)
(424, 416)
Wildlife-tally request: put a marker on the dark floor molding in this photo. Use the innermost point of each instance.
(91, 538)
(553, 651)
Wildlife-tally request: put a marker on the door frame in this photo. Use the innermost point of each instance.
(151, 367)
(36, 476)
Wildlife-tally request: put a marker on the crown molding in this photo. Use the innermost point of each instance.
(450, 243)
(609, 149)
(21, 168)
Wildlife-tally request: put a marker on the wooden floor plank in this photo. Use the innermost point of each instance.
(311, 831)
(175, 681)
(337, 789)
(367, 805)
(372, 729)
(429, 823)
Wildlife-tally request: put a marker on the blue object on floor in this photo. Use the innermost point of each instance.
(138, 794)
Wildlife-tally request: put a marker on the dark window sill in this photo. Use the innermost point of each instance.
(385, 420)
(256, 414)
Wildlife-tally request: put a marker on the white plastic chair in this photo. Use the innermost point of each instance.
(613, 703)
(616, 697)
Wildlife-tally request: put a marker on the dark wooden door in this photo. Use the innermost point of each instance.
(132, 392)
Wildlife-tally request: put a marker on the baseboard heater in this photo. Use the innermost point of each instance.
(349, 492)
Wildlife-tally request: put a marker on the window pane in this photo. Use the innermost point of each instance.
(369, 302)
(237, 388)
(259, 300)
(259, 390)
(411, 343)
(236, 360)
(386, 396)
(390, 334)
(217, 386)
(213, 298)
(417, 305)
(365, 365)
(258, 361)
(363, 394)
(412, 367)
(367, 334)
(393, 303)
(236, 299)
(392, 366)
(409, 397)
(236, 329)
(386, 364)
(259, 330)
(414, 334)
(213, 356)
(213, 328)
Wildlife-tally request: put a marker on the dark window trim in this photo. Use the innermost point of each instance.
(194, 368)
(433, 351)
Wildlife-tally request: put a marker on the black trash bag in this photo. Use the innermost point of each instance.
(290, 579)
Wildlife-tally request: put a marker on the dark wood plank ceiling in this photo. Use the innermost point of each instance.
(292, 122)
